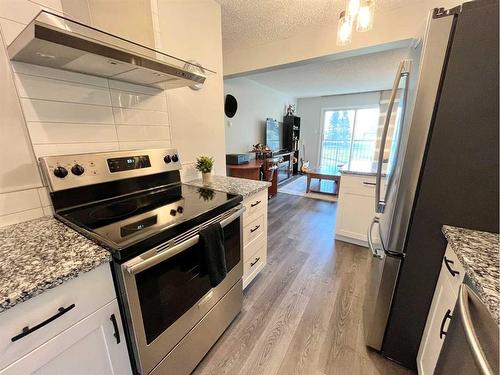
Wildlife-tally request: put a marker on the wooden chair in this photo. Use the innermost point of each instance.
(270, 173)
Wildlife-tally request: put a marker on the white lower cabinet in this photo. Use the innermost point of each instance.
(254, 235)
(355, 208)
(440, 313)
(92, 346)
(74, 328)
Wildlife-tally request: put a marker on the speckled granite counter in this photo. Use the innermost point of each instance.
(478, 253)
(233, 185)
(40, 254)
(363, 168)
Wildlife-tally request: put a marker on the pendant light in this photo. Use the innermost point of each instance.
(344, 29)
(364, 21)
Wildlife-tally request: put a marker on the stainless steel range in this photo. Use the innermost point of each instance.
(133, 204)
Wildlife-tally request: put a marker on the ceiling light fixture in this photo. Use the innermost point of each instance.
(360, 11)
(344, 30)
(364, 20)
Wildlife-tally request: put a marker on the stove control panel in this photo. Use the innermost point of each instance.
(71, 171)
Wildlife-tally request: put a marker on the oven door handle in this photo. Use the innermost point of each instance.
(139, 264)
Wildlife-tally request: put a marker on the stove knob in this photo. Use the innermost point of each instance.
(77, 170)
(167, 159)
(180, 209)
(175, 158)
(173, 212)
(60, 172)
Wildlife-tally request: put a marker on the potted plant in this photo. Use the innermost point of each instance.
(204, 164)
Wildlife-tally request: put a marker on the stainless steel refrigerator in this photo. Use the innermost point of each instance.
(442, 169)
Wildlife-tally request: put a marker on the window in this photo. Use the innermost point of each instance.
(349, 136)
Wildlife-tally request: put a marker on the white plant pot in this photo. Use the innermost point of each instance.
(206, 178)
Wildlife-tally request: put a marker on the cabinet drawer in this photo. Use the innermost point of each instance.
(255, 263)
(253, 230)
(453, 269)
(255, 205)
(361, 185)
(79, 297)
(254, 246)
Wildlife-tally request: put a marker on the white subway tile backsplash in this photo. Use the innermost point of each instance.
(19, 217)
(126, 99)
(125, 86)
(43, 193)
(36, 87)
(136, 145)
(49, 111)
(73, 148)
(48, 210)
(63, 75)
(10, 29)
(18, 201)
(56, 132)
(126, 116)
(128, 133)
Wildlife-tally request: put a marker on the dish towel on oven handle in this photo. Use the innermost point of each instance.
(214, 254)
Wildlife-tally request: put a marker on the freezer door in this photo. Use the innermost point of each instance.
(382, 280)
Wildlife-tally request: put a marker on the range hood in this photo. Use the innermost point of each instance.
(58, 42)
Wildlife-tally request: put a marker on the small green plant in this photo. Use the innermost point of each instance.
(204, 164)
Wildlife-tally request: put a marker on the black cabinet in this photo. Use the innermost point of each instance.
(291, 136)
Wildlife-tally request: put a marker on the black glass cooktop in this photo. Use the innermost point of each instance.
(140, 221)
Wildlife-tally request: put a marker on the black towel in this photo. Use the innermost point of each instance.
(214, 254)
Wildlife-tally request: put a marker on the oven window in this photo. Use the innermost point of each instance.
(169, 289)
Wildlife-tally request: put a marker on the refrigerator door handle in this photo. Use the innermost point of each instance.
(370, 240)
(403, 70)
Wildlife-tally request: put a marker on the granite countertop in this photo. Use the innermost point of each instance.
(363, 168)
(478, 253)
(40, 254)
(233, 185)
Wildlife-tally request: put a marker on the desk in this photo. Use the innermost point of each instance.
(250, 170)
(323, 173)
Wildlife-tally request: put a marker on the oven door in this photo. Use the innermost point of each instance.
(166, 294)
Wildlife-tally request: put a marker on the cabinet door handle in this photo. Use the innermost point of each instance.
(255, 204)
(254, 262)
(27, 330)
(369, 183)
(254, 229)
(447, 263)
(115, 327)
(446, 316)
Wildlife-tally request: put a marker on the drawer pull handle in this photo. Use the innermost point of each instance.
(115, 327)
(369, 183)
(254, 204)
(446, 316)
(254, 262)
(447, 263)
(254, 229)
(27, 330)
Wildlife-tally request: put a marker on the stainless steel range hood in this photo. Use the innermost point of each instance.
(57, 42)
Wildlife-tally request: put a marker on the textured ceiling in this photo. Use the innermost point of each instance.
(254, 22)
(368, 72)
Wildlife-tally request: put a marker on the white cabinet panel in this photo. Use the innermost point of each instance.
(89, 347)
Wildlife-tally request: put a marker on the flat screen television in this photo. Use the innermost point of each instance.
(274, 135)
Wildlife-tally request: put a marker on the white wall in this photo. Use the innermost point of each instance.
(69, 113)
(256, 102)
(310, 112)
(391, 30)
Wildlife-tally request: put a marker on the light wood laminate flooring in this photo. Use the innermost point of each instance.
(303, 313)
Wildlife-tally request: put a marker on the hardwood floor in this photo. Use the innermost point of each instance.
(303, 313)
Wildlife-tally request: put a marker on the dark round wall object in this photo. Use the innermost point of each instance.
(230, 106)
